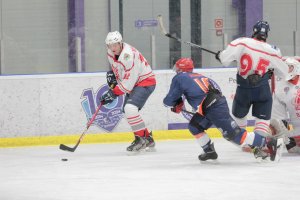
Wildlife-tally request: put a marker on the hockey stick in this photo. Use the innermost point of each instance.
(188, 112)
(164, 32)
(72, 149)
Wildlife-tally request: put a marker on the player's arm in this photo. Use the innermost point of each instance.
(173, 98)
(280, 67)
(278, 108)
(129, 75)
(227, 56)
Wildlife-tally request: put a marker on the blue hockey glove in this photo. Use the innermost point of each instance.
(108, 97)
(111, 79)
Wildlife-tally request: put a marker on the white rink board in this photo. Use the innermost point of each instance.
(42, 105)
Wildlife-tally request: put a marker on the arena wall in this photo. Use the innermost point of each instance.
(55, 108)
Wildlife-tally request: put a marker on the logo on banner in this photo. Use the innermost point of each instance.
(109, 115)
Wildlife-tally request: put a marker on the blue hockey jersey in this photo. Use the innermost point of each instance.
(192, 85)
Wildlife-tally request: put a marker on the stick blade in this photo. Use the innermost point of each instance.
(66, 148)
(161, 25)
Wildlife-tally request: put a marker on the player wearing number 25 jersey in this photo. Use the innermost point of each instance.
(255, 58)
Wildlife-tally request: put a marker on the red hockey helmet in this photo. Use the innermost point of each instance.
(184, 65)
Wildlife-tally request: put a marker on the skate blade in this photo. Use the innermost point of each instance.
(280, 146)
(150, 149)
(210, 162)
(262, 160)
(134, 153)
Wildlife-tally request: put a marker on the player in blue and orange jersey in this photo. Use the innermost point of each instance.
(205, 96)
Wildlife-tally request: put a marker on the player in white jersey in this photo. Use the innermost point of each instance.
(286, 105)
(131, 75)
(254, 59)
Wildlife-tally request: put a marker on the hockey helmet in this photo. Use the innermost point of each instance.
(113, 37)
(294, 67)
(297, 58)
(184, 65)
(260, 30)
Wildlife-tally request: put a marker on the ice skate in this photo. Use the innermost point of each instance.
(279, 127)
(292, 146)
(260, 154)
(137, 145)
(275, 147)
(150, 143)
(209, 154)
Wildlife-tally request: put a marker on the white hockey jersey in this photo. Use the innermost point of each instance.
(286, 103)
(254, 57)
(130, 69)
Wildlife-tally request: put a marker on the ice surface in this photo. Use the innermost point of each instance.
(104, 172)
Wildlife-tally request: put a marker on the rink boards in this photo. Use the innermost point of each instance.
(55, 108)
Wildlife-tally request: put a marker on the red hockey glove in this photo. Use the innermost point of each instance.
(177, 108)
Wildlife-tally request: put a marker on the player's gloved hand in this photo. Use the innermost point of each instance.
(108, 97)
(177, 108)
(270, 73)
(111, 79)
(218, 56)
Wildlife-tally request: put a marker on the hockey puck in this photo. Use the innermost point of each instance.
(64, 159)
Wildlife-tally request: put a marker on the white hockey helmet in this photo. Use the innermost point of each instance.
(297, 58)
(295, 65)
(113, 37)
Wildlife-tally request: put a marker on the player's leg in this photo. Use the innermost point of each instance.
(281, 128)
(241, 105)
(197, 126)
(219, 115)
(135, 102)
(261, 109)
(293, 145)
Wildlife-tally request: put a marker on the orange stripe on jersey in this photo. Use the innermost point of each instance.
(243, 137)
(205, 81)
(195, 74)
(200, 111)
(201, 85)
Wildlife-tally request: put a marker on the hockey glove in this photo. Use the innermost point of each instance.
(111, 79)
(177, 108)
(218, 56)
(108, 97)
(270, 73)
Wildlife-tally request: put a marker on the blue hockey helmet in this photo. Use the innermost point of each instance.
(260, 30)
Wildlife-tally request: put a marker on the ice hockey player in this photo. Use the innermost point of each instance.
(255, 60)
(205, 96)
(132, 76)
(286, 106)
